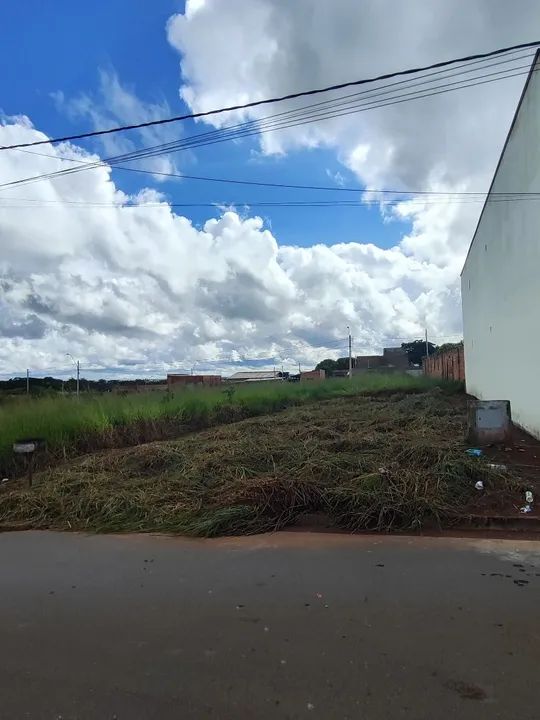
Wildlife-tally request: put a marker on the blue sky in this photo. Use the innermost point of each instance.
(66, 50)
(140, 290)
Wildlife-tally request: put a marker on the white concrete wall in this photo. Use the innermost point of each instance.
(500, 283)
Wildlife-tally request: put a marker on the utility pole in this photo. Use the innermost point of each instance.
(299, 369)
(427, 346)
(76, 362)
(350, 352)
(27, 381)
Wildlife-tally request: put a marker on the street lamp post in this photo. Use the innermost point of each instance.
(76, 363)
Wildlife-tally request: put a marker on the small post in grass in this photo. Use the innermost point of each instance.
(27, 447)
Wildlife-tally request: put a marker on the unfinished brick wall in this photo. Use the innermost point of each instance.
(449, 365)
(176, 382)
(312, 375)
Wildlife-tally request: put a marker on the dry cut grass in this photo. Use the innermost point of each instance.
(96, 422)
(391, 461)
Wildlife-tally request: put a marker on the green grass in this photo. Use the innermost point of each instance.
(72, 426)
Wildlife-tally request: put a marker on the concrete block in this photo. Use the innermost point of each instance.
(489, 421)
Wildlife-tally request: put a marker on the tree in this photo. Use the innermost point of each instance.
(327, 365)
(445, 347)
(416, 350)
(330, 366)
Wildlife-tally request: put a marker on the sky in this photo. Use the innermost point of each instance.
(140, 273)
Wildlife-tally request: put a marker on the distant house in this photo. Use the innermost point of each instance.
(500, 285)
(312, 375)
(124, 388)
(176, 382)
(255, 376)
(393, 358)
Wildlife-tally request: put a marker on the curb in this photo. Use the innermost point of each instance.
(522, 523)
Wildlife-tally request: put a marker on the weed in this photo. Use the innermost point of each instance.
(380, 461)
(72, 426)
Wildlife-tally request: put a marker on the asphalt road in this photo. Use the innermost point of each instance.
(293, 625)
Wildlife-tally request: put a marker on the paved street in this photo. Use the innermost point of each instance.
(293, 625)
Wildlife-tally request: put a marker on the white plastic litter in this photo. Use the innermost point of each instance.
(497, 466)
(479, 485)
(526, 509)
(529, 498)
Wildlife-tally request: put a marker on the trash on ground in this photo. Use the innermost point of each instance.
(529, 497)
(525, 509)
(497, 466)
(5, 480)
(479, 485)
(475, 452)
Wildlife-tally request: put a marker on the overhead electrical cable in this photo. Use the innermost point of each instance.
(329, 188)
(282, 98)
(271, 123)
(171, 147)
(221, 204)
(259, 127)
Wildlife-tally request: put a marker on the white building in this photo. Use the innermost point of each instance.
(500, 282)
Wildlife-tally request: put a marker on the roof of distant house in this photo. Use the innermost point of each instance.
(254, 375)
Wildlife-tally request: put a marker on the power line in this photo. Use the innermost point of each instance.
(282, 98)
(270, 124)
(333, 188)
(281, 121)
(434, 198)
(81, 204)
(152, 151)
(419, 337)
(279, 185)
(327, 188)
(171, 146)
(259, 128)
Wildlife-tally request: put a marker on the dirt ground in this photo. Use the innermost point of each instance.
(522, 457)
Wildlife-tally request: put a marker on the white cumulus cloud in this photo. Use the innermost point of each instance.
(141, 289)
(234, 52)
(116, 104)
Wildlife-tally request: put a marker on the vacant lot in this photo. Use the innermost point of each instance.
(73, 426)
(392, 460)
